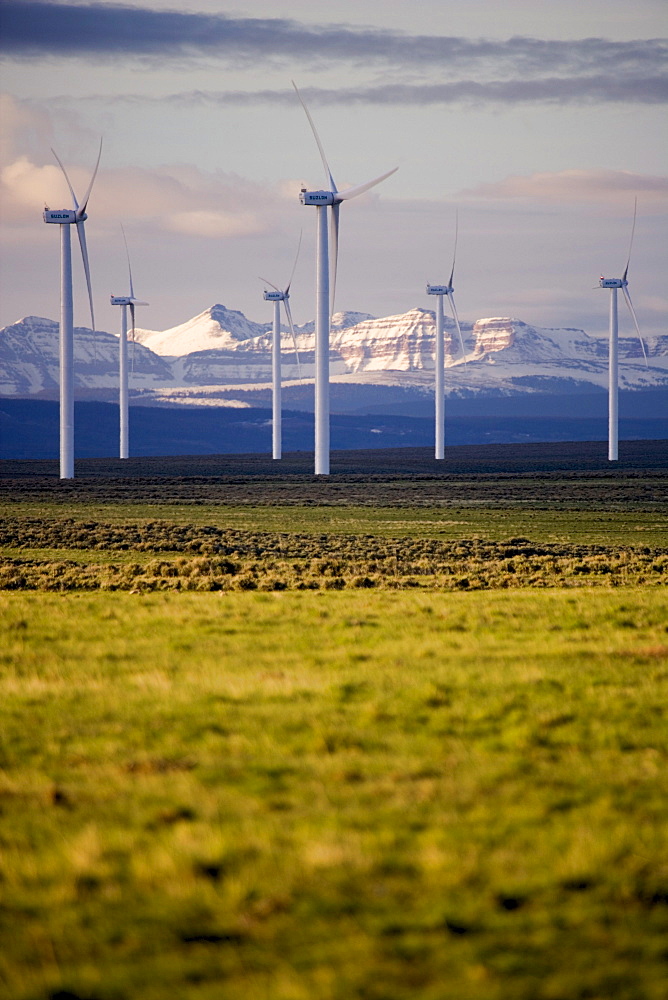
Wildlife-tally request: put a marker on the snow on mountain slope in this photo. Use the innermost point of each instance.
(222, 329)
(28, 364)
(520, 343)
(340, 321)
(29, 360)
(402, 343)
(215, 329)
(529, 355)
(398, 343)
(220, 347)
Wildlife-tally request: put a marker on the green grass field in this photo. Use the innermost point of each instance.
(370, 751)
(592, 525)
(329, 795)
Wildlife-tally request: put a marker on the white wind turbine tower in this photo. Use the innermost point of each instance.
(278, 296)
(439, 387)
(66, 218)
(124, 301)
(613, 363)
(321, 199)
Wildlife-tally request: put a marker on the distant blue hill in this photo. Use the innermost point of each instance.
(29, 428)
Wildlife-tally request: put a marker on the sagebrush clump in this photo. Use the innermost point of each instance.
(190, 557)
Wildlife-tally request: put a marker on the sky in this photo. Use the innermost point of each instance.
(534, 123)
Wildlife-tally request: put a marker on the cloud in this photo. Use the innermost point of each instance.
(215, 224)
(35, 29)
(549, 90)
(28, 129)
(25, 186)
(24, 128)
(178, 199)
(569, 186)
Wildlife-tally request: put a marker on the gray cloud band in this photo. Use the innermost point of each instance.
(556, 90)
(32, 28)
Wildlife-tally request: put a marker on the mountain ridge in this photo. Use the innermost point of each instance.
(220, 352)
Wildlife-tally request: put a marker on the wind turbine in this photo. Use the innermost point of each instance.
(324, 282)
(278, 296)
(439, 387)
(124, 301)
(66, 218)
(613, 356)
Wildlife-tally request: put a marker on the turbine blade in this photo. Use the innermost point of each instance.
(294, 266)
(328, 172)
(132, 320)
(92, 181)
(84, 256)
(627, 296)
(60, 164)
(453, 308)
(288, 313)
(353, 192)
(127, 254)
(334, 256)
(275, 287)
(454, 252)
(633, 230)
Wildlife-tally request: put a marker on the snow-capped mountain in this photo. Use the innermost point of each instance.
(220, 353)
(217, 328)
(341, 320)
(220, 346)
(397, 343)
(29, 360)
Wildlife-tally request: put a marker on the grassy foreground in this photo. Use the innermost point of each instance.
(334, 795)
(592, 524)
(61, 554)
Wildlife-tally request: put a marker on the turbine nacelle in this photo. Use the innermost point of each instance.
(440, 289)
(612, 283)
(64, 217)
(125, 300)
(317, 197)
(275, 296)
